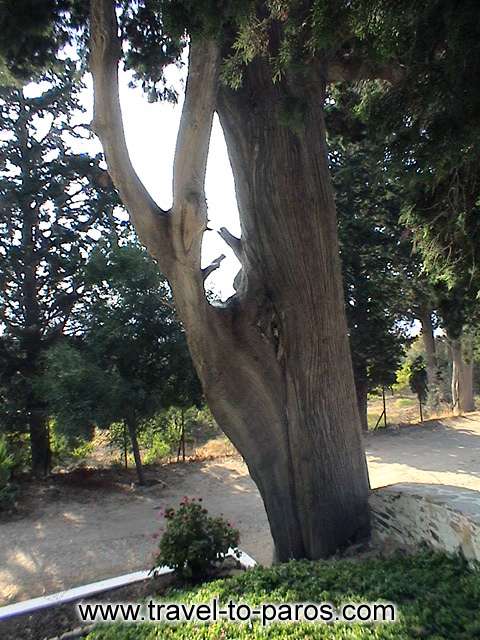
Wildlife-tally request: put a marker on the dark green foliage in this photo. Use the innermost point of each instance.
(34, 31)
(418, 378)
(157, 34)
(194, 542)
(53, 204)
(129, 357)
(30, 38)
(151, 47)
(376, 258)
(78, 391)
(430, 121)
(437, 599)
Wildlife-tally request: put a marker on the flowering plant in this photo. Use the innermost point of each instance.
(194, 542)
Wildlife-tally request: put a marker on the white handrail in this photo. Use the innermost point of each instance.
(77, 593)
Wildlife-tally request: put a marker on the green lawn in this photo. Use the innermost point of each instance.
(436, 597)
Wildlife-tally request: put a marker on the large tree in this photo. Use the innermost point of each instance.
(376, 258)
(274, 362)
(51, 200)
(431, 126)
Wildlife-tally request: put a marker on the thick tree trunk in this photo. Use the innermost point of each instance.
(462, 375)
(39, 443)
(291, 273)
(274, 362)
(132, 430)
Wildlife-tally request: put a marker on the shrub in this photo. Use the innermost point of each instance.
(18, 447)
(157, 450)
(6, 465)
(403, 375)
(67, 449)
(159, 437)
(193, 541)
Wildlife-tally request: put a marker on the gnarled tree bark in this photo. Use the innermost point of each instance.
(274, 362)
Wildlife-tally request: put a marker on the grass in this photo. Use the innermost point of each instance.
(437, 598)
(402, 408)
(219, 447)
(407, 402)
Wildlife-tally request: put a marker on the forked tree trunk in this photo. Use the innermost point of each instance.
(462, 375)
(275, 362)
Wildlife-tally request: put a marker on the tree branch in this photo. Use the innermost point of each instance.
(174, 239)
(150, 221)
(351, 68)
(233, 242)
(212, 267)
(189, 205)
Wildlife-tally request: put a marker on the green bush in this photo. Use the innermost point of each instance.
(159, 437)
(18, 446)
(157, 450)
(403, 375)
(437, 598)
(67, 449)
(6, 465)
(193, 541)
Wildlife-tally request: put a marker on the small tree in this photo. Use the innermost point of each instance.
(418, 381)
(129, 359)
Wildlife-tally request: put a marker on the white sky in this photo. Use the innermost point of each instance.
(151, 132)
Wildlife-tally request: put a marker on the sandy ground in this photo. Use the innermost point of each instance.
(85, 536)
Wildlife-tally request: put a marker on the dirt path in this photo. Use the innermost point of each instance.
(97, 534)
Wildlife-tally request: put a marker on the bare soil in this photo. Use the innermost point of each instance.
(94, 524)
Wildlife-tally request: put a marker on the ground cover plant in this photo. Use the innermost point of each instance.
(437, 598)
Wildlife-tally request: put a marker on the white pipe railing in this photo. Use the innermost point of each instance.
(86, 591)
